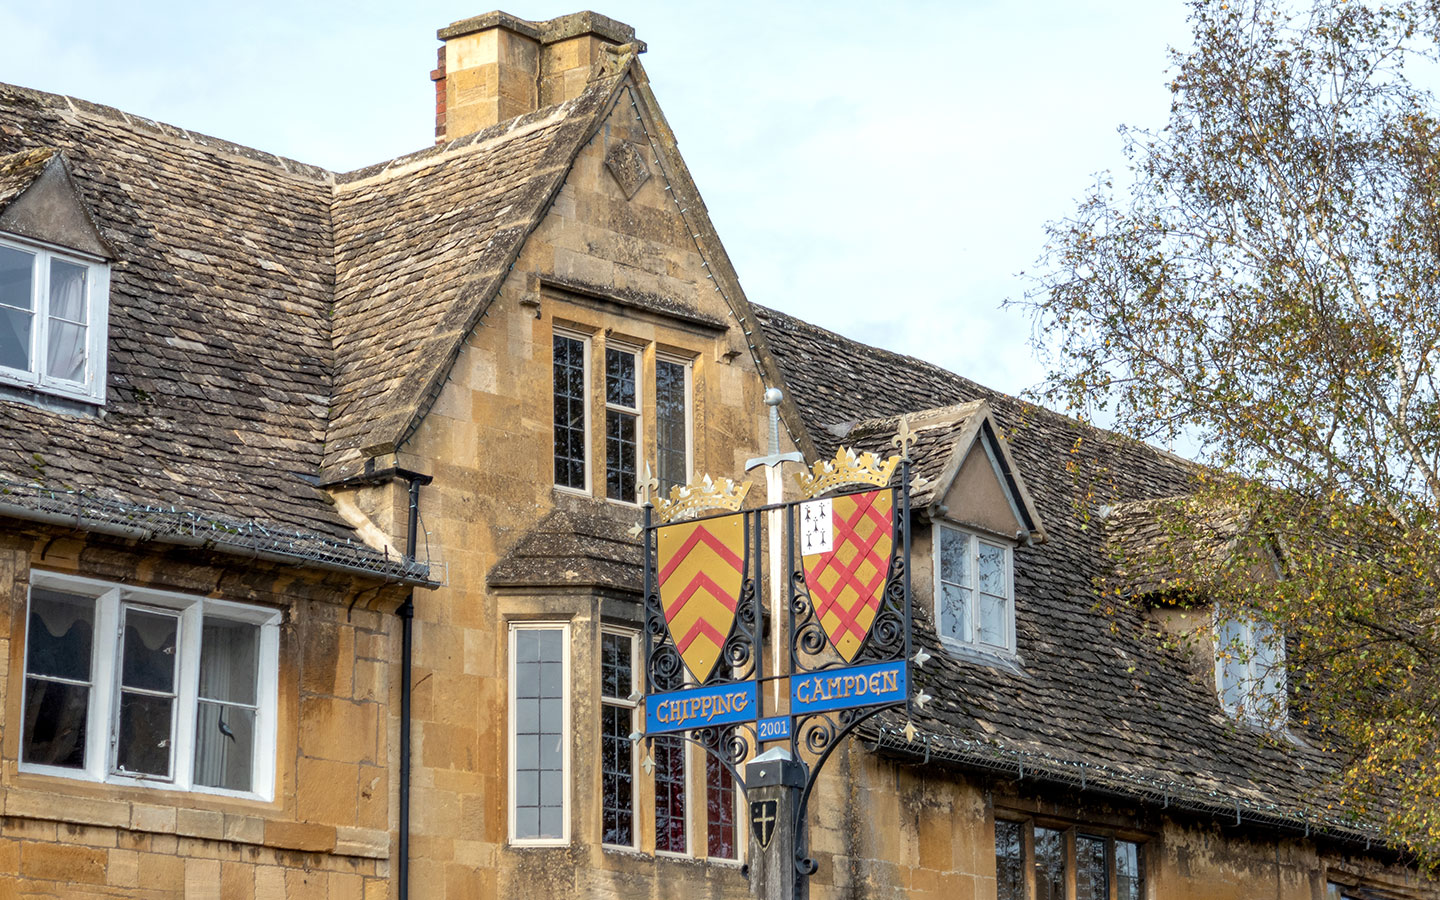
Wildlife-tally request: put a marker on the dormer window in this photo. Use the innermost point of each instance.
(974, 591)
(52, 320)
(1250, 669)
(54, 281)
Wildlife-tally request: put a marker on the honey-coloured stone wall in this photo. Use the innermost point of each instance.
(328, 831)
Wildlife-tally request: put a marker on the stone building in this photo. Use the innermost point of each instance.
(318, 495)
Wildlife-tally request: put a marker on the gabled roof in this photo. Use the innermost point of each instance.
(943, 440)
(39, 200)
(422, 245)
(269, 319)
(1096, 700)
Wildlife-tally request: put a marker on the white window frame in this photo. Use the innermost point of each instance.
(1263, 694)
(974, 539)
(586, 350)
(97, 308)
(638, 412)
(689, 365)
(565, 770)
(637, 675)
(102, 720)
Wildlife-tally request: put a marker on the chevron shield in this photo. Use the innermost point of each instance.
(847, 576)
(701, 567)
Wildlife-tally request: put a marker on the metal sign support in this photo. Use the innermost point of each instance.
(840, 619)
(777, 825)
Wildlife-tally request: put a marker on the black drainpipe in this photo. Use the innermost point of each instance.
(406, 612)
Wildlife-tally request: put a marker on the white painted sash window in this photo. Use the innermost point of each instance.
(1250, 669)
(150, 688)
(539, 733)
(53, 313)
(974, 591)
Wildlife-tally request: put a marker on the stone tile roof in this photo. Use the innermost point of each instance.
(1096, 691)
(422, 244)
(219, 355)
(935, 432)
(269, 318)
(1148, 539)
(589, 547)
(19, 169)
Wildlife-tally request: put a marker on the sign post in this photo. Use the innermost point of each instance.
(774, 783)
(840, 622)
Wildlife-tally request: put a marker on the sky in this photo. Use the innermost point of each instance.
(882, 170)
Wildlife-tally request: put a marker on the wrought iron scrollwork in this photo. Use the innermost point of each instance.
(815, 726)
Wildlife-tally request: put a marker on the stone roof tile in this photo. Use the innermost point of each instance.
(18, 170)
(588, 547)
(1094, 687)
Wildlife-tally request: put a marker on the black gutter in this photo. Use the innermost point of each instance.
(406, 612)
(1096, 780)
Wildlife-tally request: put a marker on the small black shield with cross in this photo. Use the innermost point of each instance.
(763, 814)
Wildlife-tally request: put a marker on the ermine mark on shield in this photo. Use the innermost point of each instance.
(816, 532)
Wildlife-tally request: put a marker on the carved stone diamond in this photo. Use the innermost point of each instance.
(628, 167)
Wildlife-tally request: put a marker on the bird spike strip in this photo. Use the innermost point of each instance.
(846, 468)
(700, 495)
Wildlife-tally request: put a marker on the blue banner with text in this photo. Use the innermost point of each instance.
(702, 707)
(829, 689)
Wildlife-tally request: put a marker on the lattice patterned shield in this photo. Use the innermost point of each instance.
(701, 568)
(847, 577)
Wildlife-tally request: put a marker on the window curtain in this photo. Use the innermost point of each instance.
(212, 749)
(225, 714)
(66, 357)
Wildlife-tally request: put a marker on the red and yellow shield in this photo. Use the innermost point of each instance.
(846, 582)
(701, 570)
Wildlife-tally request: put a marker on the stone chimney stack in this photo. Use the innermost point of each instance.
(496, 67)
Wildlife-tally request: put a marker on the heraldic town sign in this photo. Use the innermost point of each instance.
(840, 651)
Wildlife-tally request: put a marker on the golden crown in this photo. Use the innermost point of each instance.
(702, 494)
(846, 468)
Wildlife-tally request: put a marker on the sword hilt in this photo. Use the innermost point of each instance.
(773, 396)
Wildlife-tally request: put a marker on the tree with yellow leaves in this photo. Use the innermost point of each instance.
(1264, 286)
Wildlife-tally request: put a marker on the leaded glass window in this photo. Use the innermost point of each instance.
(1129, 871)
(1009, 860)
(617, 751)
(668, 751)
(672, 427)
(1092, 872)
(622, 423)
(1103, 867)
(719, 809)
(569, 391)
(538, 696)
(1049, 864)
(974, 601)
